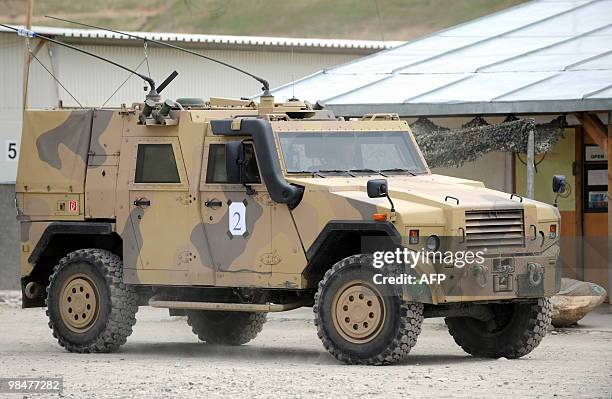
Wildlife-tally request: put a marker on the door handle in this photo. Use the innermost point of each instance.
(142, 202)
(213, 203)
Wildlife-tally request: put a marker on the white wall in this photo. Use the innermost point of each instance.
(491, 169)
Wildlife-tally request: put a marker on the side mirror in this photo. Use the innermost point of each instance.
(234, 160)
(558, 184)
(377, 188)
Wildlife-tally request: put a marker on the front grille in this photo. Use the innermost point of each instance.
(494, 228)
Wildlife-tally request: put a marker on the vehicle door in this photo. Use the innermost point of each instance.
(237, 218)
(164, 215)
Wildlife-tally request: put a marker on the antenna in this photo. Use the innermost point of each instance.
(265, 84)
(30, 34)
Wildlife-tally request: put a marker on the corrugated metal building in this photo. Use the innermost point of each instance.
(541, 59)
(93, 83)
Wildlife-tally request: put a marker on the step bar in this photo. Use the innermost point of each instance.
(228, 307)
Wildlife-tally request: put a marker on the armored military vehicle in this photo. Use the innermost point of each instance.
(226, 210)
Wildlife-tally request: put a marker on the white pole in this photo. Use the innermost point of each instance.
(29, 7)
(530, 163)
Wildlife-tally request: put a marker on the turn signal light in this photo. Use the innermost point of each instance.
(552, 233)
(379, 217)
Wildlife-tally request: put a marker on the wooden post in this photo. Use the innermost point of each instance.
(602, 135)
(29, 8)
(608, 150)
(530, 164)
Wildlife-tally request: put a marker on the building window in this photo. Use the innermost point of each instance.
(216, 171)
(155, 163)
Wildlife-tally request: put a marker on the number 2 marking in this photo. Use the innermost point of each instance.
(237, 226)
(237, 219)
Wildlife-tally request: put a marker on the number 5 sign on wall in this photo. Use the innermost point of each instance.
(11, 151)
(237, 219)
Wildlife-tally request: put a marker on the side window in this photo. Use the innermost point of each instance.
(216, 171)
(251, 170)
(155, 163)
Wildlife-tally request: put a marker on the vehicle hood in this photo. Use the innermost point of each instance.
(429, 195)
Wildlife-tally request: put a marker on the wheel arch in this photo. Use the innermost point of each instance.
(342, 238)
(59, 239)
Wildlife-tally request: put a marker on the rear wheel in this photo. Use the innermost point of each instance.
(89, 307)
(360, 322)
(226, 328)
(518, 329)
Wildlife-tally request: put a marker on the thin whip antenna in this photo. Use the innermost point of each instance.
(265, 84)
(292, 74)
(53, 76)
(122, 84)
(30, 34)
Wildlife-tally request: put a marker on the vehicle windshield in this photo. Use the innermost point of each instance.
(350, 151)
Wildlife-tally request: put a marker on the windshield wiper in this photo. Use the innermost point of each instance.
(367, 170)
(310, 172)
(335, 171)
(398, 170)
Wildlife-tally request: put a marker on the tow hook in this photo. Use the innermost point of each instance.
(536, 273)
(32, 290)
(480, 273)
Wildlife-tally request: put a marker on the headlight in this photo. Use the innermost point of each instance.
(433, 243)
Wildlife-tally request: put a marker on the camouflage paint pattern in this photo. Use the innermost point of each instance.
(89, 156)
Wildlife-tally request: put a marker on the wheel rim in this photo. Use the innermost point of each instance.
(79, 303)
(358, 312)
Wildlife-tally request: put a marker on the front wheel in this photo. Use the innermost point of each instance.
(90, 309)
(360, 322)
(517, 330)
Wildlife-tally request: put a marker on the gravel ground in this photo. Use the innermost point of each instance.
(163, 359)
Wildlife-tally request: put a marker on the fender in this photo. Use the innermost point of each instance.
(358, 226)
(74, 228)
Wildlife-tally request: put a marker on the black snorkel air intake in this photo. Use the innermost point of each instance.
(260, 130)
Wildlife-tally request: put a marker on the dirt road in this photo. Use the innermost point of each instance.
(163, 359)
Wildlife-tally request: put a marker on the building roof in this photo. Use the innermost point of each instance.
(216, 40)
(545, 56)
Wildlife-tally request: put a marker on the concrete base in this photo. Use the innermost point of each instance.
(9, 239)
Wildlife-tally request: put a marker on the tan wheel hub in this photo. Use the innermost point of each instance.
(79, 303)
(358, 312)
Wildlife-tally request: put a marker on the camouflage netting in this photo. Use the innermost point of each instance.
(443, 147)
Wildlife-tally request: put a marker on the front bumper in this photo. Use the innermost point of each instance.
(498, 277)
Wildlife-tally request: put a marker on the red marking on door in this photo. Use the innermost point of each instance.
(73, 206)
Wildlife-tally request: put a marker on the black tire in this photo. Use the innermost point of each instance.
(520, 329)
(116, 303)
(225, 328)
(397, 329)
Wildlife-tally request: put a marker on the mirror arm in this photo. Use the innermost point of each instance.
(391, 202)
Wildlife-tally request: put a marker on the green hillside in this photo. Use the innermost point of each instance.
(349, 19)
